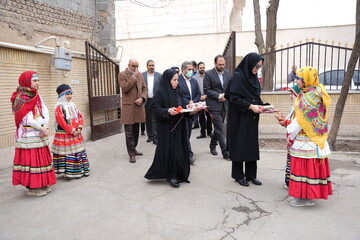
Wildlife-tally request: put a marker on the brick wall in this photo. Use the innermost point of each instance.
(30, 16)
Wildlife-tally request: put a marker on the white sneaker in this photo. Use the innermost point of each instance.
(47, 189)
(309, 202)
(286, 187)
(301, 202)
(36, 192)
(296, 202)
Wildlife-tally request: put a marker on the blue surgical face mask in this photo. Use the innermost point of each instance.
(189, 73)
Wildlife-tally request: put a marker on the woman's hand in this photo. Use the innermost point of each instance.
(281, 119)
(289, 142)
(44, 132)
(172, 111)
(255, 108)
(74, 132)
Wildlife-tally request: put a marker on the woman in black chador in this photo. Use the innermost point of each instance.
(171, 159)
(243, 94)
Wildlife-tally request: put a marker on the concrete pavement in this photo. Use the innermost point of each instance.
(117, 202)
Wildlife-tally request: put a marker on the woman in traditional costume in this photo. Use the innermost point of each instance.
(308, 133)
(285, 121)
(171, 160)
(243, 94)
(69, 154)
(32, 161)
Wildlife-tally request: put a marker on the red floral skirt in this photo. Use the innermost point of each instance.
(309, 179)
(33, 168)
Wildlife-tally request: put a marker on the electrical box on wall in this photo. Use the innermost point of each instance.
(62, 59)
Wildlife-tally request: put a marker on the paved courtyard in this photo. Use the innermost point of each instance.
(117, 202)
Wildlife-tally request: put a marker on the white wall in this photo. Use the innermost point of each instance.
(173, 50)
(177, 18)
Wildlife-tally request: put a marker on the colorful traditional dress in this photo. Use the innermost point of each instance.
(32, 161)
(294, 91)
(310, 172)
(69, 154)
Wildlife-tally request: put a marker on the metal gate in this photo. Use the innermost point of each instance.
(230, 53)
(104, 93)
(330, 61)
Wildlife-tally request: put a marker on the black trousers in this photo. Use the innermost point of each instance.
(237, 170)
(205, 122)
(132, 138)
(150, 119)
(218, 136)
(142, 126)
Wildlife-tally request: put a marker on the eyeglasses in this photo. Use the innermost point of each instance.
(258, 66)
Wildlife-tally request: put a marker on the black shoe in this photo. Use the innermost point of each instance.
(201, 136)
(243, 182)
(226, 155)
(155, 141)
(149, 140)
(213, 151)
(210, 134)
(191, 160)
(174, 183)
(142, 133)
(255, 181)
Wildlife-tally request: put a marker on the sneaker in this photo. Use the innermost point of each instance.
(47, 189)
(296, 202)
(36, 192)
(286, 187)
(309, 202)
(301, 202)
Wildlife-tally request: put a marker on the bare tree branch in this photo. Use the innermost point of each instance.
(347, 82)
(259, 40)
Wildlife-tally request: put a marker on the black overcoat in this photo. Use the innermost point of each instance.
(242, 128)
(172, 153)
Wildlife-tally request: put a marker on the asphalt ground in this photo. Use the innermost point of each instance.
(117, 202)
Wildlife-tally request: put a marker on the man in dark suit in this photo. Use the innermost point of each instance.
(215, 83)
(152, 80)
(191, 92)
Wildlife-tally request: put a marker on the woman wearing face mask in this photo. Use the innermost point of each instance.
(69, 154)
(32, 161)
(309, 150)
(171, 160)
(243, 94)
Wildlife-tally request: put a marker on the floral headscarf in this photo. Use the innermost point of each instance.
(25, 98)
(311, 106)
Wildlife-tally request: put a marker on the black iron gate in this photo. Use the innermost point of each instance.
(330, 61)
(230, 53)
(104, 93)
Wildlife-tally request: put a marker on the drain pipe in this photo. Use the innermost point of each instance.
(26, 48)
(47, 39)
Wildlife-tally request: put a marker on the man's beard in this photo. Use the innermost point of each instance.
(201, 72)
(219, 70)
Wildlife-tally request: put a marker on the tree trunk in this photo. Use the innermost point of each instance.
(347, 82)
(270, 59)
(259, 40)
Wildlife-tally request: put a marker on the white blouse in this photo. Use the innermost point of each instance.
(303, 147)
(28, 133)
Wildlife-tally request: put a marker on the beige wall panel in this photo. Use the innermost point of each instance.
(14, 62)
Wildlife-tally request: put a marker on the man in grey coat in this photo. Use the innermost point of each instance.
(215, 83)
(152, 80)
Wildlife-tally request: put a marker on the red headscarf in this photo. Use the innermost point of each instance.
(25, 98)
